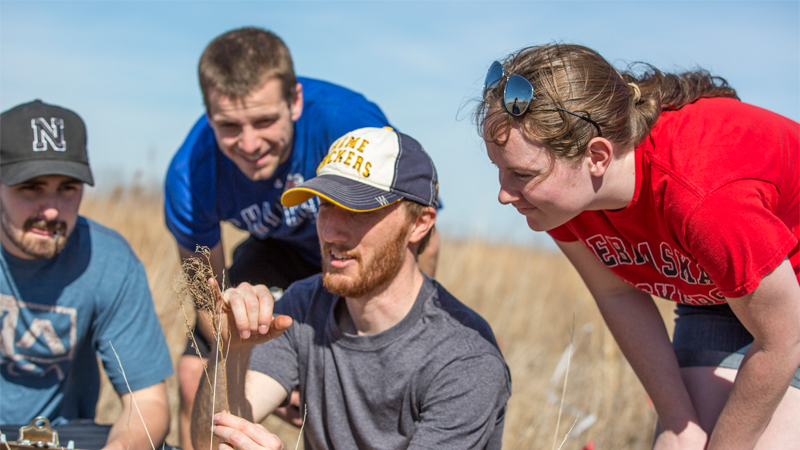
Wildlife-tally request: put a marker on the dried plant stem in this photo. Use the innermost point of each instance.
(220, 346)
(133, 399)
(303, 425)
(194, 343)
(225, 374)
(6, 442)
(214, 397)
(568, 432)
(192, 283)
(564, 388)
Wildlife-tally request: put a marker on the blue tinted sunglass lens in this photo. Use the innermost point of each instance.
(517, 95)
(493, 76)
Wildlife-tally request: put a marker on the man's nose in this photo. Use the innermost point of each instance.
(49, 211)
(250, 141)
(333, 225)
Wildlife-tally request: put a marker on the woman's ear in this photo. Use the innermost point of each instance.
(599, 154)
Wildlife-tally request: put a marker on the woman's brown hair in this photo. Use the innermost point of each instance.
(624, 104)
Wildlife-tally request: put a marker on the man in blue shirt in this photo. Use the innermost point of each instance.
(71, 291)
(265, 130)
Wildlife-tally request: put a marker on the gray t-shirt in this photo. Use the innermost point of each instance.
(436, 380)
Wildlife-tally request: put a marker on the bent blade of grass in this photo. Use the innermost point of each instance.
(303, 425)
(214, 391)
(133, 399)
(9, 448)
(568, 353)
(568, 432)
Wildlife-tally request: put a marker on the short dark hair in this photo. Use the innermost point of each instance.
(240, 61)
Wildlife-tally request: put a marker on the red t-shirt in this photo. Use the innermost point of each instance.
(716, 206)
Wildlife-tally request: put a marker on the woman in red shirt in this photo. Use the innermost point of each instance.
(666, 185)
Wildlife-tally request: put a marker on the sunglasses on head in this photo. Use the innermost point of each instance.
(518, 93)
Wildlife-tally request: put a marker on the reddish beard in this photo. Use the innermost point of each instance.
(372, 275)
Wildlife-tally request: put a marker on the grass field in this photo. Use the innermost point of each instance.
(534, 301)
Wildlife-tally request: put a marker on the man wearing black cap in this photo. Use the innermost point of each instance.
(383, 356)
(70, 290)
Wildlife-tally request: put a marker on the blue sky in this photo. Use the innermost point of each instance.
(129, 69)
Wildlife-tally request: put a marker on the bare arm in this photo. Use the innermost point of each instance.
(217, 265)
(771, 313)
(128, 432)
(251, 395)
(637, 326)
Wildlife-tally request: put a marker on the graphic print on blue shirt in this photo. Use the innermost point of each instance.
(40, 351)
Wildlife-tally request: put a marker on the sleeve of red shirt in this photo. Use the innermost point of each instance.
(562, 234)
(737, 238)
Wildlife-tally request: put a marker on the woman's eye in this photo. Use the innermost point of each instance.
(523, 176)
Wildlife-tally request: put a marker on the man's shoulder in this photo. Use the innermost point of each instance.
(198, 148)
(327, 101)
(464, 327)
(314, 89)
(305, 298)
(104, 239)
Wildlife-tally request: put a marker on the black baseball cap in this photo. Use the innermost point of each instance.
(39, 139)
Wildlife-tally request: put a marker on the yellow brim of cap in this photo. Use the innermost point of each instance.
(298, 195)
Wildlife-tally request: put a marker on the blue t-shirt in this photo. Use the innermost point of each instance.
(58, 314)
(204, 187)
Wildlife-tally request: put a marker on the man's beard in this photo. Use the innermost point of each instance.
(31, 246)
(386, 263)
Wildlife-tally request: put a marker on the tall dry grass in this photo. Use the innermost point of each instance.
(534, 301)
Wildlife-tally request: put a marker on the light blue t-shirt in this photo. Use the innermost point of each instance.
(204, 187)
(57, 315)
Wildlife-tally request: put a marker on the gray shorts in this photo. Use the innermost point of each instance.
(712, 336)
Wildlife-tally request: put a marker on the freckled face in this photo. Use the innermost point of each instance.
(257, 132)
(546, 198)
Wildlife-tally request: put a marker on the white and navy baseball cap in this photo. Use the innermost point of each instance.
(40, 139)
(370, 168)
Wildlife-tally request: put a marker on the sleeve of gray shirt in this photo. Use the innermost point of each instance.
(465, 405)
(278, 358)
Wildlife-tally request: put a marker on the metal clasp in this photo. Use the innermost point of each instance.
(38, 434)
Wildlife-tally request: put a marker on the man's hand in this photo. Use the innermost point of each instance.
(238, 433)
(249, 309)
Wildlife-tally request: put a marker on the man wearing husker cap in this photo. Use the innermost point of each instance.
(69, 289)
(383, 356)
